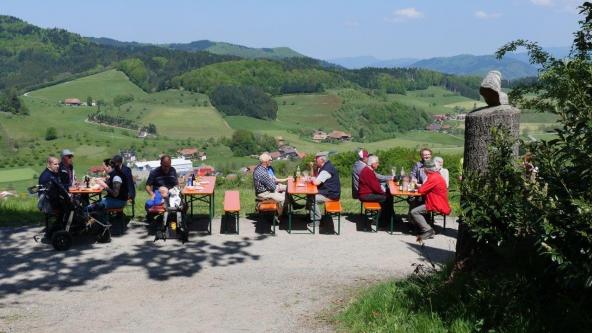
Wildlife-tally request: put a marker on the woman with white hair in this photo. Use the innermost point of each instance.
(439, 161)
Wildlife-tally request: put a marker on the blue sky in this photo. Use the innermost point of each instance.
(322, 29)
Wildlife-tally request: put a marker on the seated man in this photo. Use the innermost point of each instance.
(50, 172)
(371, 190)
(265, 184)
(360, 164)
(328, 185)
(164, 175)
(436, 200)
(116, 187)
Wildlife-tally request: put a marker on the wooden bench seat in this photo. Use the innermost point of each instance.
(372, 211)
(232, 206)
(333, 208)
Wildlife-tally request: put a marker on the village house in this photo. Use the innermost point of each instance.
(439, 117)
(319, 136)
(72, 102)
(339, 136)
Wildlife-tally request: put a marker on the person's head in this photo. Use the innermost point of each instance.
(363, 155)
(373, 161)
(165, 163)
(164, 191)
(425, 154)
(406, 179)
(439, 161)
(265, 159)
(53, 164)
(67, 157)
(528, 157)
(107, 165)
(117, 162)
(321, 158)
(430, 167)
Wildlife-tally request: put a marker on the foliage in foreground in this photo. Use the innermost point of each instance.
(500, 299)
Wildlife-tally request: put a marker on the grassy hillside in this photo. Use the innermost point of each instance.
(105, 86)
(237, 50)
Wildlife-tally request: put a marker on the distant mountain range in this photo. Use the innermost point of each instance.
(512, 67)
(220, 48)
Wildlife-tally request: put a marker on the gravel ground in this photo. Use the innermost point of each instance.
(214, 283)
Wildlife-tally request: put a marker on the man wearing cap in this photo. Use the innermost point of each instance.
(66, 170)
(265, 184)
(328, 185)
(116, 187)
(436, 200)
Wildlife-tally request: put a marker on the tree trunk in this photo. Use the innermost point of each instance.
(478, 126)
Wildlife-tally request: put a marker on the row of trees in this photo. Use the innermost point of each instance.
(244, 101)
(245, 143)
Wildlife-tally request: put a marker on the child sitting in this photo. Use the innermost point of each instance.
(159, 197)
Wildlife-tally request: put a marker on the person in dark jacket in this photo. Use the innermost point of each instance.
(50, 172)
(328, 185)
(66, 171)
(116, 187)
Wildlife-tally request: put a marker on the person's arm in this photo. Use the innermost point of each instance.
(427, 186)
(383, 178)
(114, 192)
(321, 178)
(150, 185)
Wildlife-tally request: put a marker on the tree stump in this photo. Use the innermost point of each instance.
(478, 126)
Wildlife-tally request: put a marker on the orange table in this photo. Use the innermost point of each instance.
(91, 192)
(399, 196)
(204, 191)
(300, 189)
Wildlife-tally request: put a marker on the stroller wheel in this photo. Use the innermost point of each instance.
(104, 236)
(61, 240)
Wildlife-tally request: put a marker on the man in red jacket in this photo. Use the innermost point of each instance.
(436, 200)
(370, 190)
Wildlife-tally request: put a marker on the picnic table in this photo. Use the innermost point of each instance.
(399, 196)
(298, 189)
(94, 194)
(204, 191)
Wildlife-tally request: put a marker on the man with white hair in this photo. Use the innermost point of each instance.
(328, 185)
(265, 184)
(439, 161)
(370, 190)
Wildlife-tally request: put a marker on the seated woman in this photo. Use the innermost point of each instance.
(116, 187)
(370, 190)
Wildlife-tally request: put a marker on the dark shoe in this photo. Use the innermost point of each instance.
(426, 235)
(297, 206)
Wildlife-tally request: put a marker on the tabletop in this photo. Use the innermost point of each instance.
(394, 189)
(84, 190)
(204, 186)
(298, 186)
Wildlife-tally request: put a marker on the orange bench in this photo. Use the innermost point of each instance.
(232, 206)
(372, 211)
(269, 207)
(333, 208)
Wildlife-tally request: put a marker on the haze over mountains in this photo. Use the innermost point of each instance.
(512, 67)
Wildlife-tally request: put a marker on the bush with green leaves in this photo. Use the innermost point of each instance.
(553, 213)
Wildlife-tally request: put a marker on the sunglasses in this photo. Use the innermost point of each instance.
(69, 156)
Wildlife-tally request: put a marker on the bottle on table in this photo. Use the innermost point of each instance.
(192, 179)
(402, 174)
(298, 173)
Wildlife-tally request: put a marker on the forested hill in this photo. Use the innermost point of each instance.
(220, 48)
(31, 56)
(478, 65)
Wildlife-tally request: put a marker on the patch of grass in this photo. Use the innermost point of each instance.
(13, 175)
(19, 211)
(506, 300)
(105, 85)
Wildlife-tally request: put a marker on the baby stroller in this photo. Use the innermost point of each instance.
(173, 225)
(70, 217)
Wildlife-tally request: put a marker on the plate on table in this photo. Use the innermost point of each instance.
(193, 188)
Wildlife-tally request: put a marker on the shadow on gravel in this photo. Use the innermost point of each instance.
(26, 266)
(430, 254)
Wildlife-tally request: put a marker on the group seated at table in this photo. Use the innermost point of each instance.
(116, 185)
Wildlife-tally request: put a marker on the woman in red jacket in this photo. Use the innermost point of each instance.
(436, 200)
